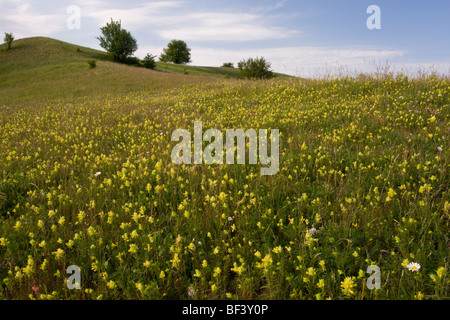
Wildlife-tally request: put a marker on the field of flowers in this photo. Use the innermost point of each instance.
(363, 180)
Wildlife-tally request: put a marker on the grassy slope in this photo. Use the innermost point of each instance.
(197, 70)
(44, 68)
(220, 72)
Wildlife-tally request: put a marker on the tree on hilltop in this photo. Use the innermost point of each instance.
(258, 68)
(177, 52)
(118, 42)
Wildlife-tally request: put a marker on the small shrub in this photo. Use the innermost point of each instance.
(149, 61)
(9, 38)
(78, 50)
(92, 64)
(133, 61)
(228, 65)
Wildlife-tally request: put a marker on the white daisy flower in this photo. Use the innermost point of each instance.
(97, 173)
(440, 149)
(413, 266)
(191, 292)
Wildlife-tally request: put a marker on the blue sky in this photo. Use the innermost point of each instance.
(304, 38)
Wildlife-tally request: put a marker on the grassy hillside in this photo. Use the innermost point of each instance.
(40, 68)
(194, 70)
(219, 72)
(43, 68)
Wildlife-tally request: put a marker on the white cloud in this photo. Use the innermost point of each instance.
(301, 61)
(161, 19)
(223, 26)
(25, 20)
(138, 17)
(28, 18)
(164, 19)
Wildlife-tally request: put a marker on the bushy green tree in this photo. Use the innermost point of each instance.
(118, 42)
(9, 38)
(177, 52)
(228, 65)
(258, 68)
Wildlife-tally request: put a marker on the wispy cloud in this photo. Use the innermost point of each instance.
(137, 17)
(161, 19)
(156, 17)
(25, 19)
(301, 61)
(220, 26)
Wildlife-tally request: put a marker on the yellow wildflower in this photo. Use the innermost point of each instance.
(347, 286)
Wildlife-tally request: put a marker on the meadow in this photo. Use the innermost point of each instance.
(363, 180)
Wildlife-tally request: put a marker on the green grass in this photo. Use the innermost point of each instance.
(219, 72)
(44, 68)
(88, 180)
